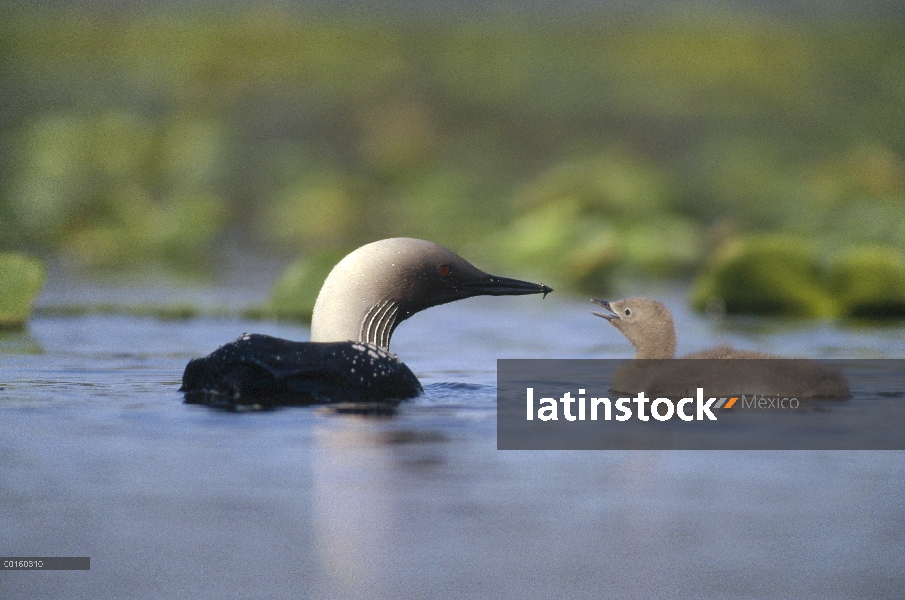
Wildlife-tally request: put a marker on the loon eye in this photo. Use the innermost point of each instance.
(443, 270)
(628, 311)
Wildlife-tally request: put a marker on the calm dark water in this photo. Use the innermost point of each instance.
(99, 457)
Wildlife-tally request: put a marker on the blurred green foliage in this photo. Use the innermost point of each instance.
(766, 275)
(783, 275)
(295, 292)
(582, 151)
(21, 278)
(870, 283)
(113, 188)
(588, 218)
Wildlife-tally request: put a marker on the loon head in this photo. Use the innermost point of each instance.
(646, 323)
(376, 287)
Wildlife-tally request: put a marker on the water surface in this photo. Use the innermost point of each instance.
(99, 457)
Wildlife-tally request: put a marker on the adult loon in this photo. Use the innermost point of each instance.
(362, 301)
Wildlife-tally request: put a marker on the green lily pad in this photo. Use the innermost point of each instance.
(869, 282)
(21, 278)
(764, 275)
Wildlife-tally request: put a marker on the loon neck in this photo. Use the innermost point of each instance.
(378, 323)
(655, 353)
(363, 317)
(656, 341)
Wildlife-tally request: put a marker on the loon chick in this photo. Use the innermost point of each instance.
(649, 326)
(362, 301)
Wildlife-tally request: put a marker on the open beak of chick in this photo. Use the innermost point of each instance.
(609, 316)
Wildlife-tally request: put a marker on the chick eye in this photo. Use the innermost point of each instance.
(443, 270)
(628, 311)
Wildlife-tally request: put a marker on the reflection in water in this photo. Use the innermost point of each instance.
(350, 513)
(358, 469)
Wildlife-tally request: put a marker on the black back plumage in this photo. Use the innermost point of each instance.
(260, 369)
